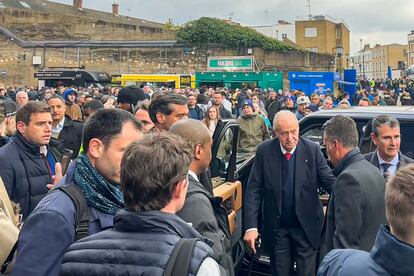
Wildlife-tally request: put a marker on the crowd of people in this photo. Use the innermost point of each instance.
(116, 182)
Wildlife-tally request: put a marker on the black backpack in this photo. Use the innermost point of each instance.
(82, 210)
(180, 260)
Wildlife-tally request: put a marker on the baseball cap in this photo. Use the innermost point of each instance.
(8, 108)
(303, 100)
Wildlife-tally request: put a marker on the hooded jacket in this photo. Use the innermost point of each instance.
(389, 256)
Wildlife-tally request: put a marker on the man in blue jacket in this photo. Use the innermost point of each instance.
(50, 229)
(393, 251)
(145, 234)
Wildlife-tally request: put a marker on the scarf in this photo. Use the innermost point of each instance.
(99, 193)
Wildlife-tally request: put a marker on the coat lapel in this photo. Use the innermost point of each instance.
(301, 165)
(276, 173)
(374, 159)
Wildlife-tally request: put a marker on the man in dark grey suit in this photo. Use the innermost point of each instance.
(356, 207)
(286, 174)
(201, 209)
(386, 136)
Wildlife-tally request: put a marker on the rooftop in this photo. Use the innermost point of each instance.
(44, 6)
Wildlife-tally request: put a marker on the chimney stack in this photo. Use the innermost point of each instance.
(115, 8)
(79, 4)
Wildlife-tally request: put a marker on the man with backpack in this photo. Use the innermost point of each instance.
(148, 237)
(204, 211)
(92, 180)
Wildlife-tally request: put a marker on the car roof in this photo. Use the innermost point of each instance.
(399, 112)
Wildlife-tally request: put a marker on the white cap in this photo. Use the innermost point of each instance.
(303, 100)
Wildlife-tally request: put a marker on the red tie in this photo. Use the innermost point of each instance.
(288, 155)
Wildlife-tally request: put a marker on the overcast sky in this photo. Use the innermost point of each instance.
(375, 21)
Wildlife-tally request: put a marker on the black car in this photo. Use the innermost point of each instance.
(228, 165)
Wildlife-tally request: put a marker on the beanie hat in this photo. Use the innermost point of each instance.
(131, 95)
(248, 102)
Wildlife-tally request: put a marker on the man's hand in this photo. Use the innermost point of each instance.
(250, 238)
(57, 177)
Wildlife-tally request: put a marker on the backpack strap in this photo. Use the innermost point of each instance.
(180, 259)
(82, 211)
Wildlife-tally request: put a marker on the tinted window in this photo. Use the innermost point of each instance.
(407, 139)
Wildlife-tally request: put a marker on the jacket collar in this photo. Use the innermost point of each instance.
(393, 255)
(351, 157)
(26, 145)
(155, 222)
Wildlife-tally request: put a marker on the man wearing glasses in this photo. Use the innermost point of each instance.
(286, 174)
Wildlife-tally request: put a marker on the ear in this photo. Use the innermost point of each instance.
(374, 138)
(96, 148)
(160, 117)
(198, 151)
(181, 189)
(21, 127)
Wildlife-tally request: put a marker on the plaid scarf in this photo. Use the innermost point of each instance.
(99, 193)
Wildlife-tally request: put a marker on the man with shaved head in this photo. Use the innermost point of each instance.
(202, 210)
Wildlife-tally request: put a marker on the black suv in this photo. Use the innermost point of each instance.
(228, 165)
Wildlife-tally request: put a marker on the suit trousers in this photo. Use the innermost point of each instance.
(290, 244)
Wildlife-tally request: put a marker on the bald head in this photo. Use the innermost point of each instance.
(192, 130)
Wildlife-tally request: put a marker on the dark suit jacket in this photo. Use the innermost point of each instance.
(71, 135)
(311, 172)
(356, 207)
(372, 157)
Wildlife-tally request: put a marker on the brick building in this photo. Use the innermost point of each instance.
(323, 34)
(60, 35)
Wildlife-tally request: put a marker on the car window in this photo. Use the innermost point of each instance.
(407, 139)
(315, 134)
(220, 163)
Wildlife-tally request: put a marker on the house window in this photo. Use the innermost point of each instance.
(311, 32)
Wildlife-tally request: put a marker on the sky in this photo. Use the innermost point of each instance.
(373, 21)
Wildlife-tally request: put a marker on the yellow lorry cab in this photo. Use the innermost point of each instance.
(157, 80)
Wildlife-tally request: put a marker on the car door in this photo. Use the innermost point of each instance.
(223, 169)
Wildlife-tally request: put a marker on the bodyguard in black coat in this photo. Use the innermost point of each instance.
(356, 207)
(203, 210)
(292, 211)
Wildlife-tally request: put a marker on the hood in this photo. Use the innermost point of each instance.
(67, 92)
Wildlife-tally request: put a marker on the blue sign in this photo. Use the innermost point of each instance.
(313, 82)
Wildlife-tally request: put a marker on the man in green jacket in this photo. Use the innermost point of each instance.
(252, 129)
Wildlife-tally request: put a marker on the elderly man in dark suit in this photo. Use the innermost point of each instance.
(386, 136)
(356, 207)
(286, 174)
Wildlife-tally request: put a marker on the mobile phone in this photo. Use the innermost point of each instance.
(66, 157)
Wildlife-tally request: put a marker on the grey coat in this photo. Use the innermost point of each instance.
(356, 207)
(209, 218)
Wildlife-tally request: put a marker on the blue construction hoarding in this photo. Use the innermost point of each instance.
(310, 82)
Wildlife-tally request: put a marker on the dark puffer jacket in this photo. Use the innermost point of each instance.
(25, 172)
(140, 244)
